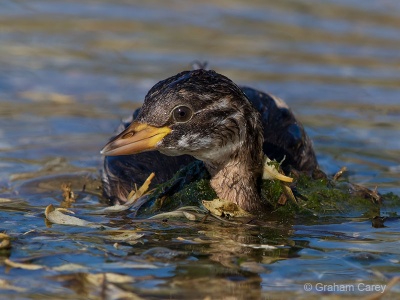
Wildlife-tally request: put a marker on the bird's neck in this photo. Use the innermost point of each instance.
(238, 180)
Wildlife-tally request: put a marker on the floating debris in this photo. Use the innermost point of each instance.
(339, 173)
(308, 196)
(5, 243)
(225, 209)
(133, 197)
(272, 171)
(191, 213)
(58, 216)
(378, 222)
(130, 237)
(31, 267)
(68, 195)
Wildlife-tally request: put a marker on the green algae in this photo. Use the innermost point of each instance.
(187, 196)
(322, 197)
(187, 187)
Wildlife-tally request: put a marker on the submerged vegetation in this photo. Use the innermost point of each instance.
(130, 245)
(188, 195)
(321, 197)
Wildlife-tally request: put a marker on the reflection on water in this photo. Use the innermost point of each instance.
(69, 70)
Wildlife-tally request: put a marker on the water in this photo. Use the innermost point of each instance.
(70, 70)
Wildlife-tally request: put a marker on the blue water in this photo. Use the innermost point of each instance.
(70, 70)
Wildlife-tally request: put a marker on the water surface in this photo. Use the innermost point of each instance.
(70, 70)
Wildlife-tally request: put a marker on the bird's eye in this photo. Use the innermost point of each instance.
(182, 114)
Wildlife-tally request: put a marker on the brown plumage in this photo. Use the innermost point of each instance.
(203, 115)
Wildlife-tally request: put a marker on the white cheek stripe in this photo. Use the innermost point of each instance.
(195, 139)
(222, 103)
(184, 141)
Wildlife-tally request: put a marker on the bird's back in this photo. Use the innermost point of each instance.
(284, 136)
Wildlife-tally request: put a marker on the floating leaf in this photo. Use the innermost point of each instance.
(132, 198)
(4, 241)
(68, 195)
(191, 213)
(57, 216)
(13, 264)
(224, 208)
(111, 209)
(189, 216)
(192, 241)
(127, 236)
(175, 214)
(70, 267)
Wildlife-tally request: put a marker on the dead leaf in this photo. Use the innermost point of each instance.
(191, 213)
(189, 216)
(127, 236)
(31, 267)
(339, 173)
(70, 267)
(168, 215)
(57, 216)
(224, 208)
(288, 191)
(282, 199)
(132, 198)
(5, 242)
(68, 195)
(270, 172)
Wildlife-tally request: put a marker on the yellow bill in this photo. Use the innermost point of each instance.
(138, 137)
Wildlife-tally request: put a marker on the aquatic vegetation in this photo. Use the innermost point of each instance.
(321, 197)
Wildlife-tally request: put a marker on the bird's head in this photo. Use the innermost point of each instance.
(200, 113)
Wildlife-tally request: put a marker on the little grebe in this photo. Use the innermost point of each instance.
(203, 115)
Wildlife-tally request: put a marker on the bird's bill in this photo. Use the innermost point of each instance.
(138, 137)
